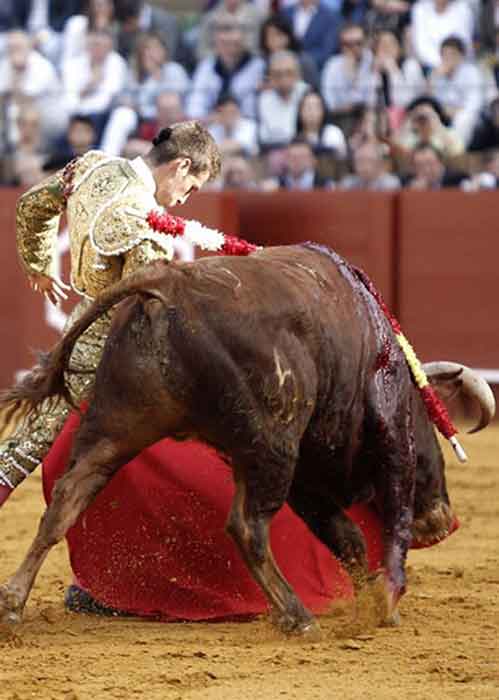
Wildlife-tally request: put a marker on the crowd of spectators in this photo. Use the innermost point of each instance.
(299, 94)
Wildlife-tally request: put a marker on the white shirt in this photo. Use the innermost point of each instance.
(74, 37)
(144, 172)
(305, 181)
(429, 28)
(277, 116)
(302, 19)
(38, 16)
(76, 74)
(38, 80)
(245, 132)
(333, 138)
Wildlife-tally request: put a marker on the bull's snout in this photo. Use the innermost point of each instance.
(433, 526)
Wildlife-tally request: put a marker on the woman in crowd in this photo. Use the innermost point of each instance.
(99, 14)
(313, 125)
(399, 79)
(276, 34)
(151, 73)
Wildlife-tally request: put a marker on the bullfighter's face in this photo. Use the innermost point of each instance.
(177, 183)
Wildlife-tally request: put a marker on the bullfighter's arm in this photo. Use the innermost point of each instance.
(38, 214)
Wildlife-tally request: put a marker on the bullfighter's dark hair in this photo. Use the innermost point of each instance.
(162, 136)
(187, 139)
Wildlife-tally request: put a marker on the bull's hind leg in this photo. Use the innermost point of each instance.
(92, 470)
(258, 498)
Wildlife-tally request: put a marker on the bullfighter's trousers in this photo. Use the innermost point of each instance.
(32, 439)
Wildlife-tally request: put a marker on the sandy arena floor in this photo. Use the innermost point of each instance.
(446, 648)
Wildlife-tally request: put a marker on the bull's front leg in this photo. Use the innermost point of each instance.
(395, 498)
(258, 497)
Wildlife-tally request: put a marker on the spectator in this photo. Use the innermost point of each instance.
(278, 104)
(233, 133)
(459, 87)
(312, 124)
(400, 79)
(79, 138)
(301, 170)
(369, 171)
(429, 171)
(238, 174)
(28, 152)
(388, 15)
(44, 20)
(136, 17)
(364, 128)
(94, 79)
(169, 110)
(486, 134)
(276, 34)
(348, 79)
(26, 75)
(316, 26)
(231, 69)
(426, 124)
(230, 12)
(435, 20)
(488, 176)
(150, 74)
(27, 171)
(98, 14)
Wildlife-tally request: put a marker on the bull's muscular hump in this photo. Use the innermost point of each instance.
(282, 360)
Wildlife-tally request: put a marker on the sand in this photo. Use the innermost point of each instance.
(447, 646)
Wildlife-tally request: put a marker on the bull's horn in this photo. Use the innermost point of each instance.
(473, 385)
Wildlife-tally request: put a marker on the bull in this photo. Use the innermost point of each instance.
(286, 364)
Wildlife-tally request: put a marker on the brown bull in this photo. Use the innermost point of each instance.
(285, 363)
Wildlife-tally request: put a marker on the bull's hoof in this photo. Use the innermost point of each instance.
(392, 619)
(11, 607)
(385, 600)
(294, 627)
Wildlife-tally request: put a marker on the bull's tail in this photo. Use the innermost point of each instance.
(46, 380)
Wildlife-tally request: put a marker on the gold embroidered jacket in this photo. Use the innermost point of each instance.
(106, 209)
(106, 201)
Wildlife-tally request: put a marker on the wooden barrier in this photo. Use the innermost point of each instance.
(448, 274)
(432, 254)
(358, 225)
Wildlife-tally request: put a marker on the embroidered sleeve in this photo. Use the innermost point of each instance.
(38, 214)
(121, 226)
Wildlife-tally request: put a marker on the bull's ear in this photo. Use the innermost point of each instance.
(447, 384)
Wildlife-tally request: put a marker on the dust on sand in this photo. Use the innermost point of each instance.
(447, 646)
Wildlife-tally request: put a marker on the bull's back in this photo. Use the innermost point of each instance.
(283, 324)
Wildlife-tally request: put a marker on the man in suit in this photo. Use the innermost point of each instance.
(137, 16)
(301, 168)
(316, 26)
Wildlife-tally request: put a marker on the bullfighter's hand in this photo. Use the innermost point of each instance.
(52, 288)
